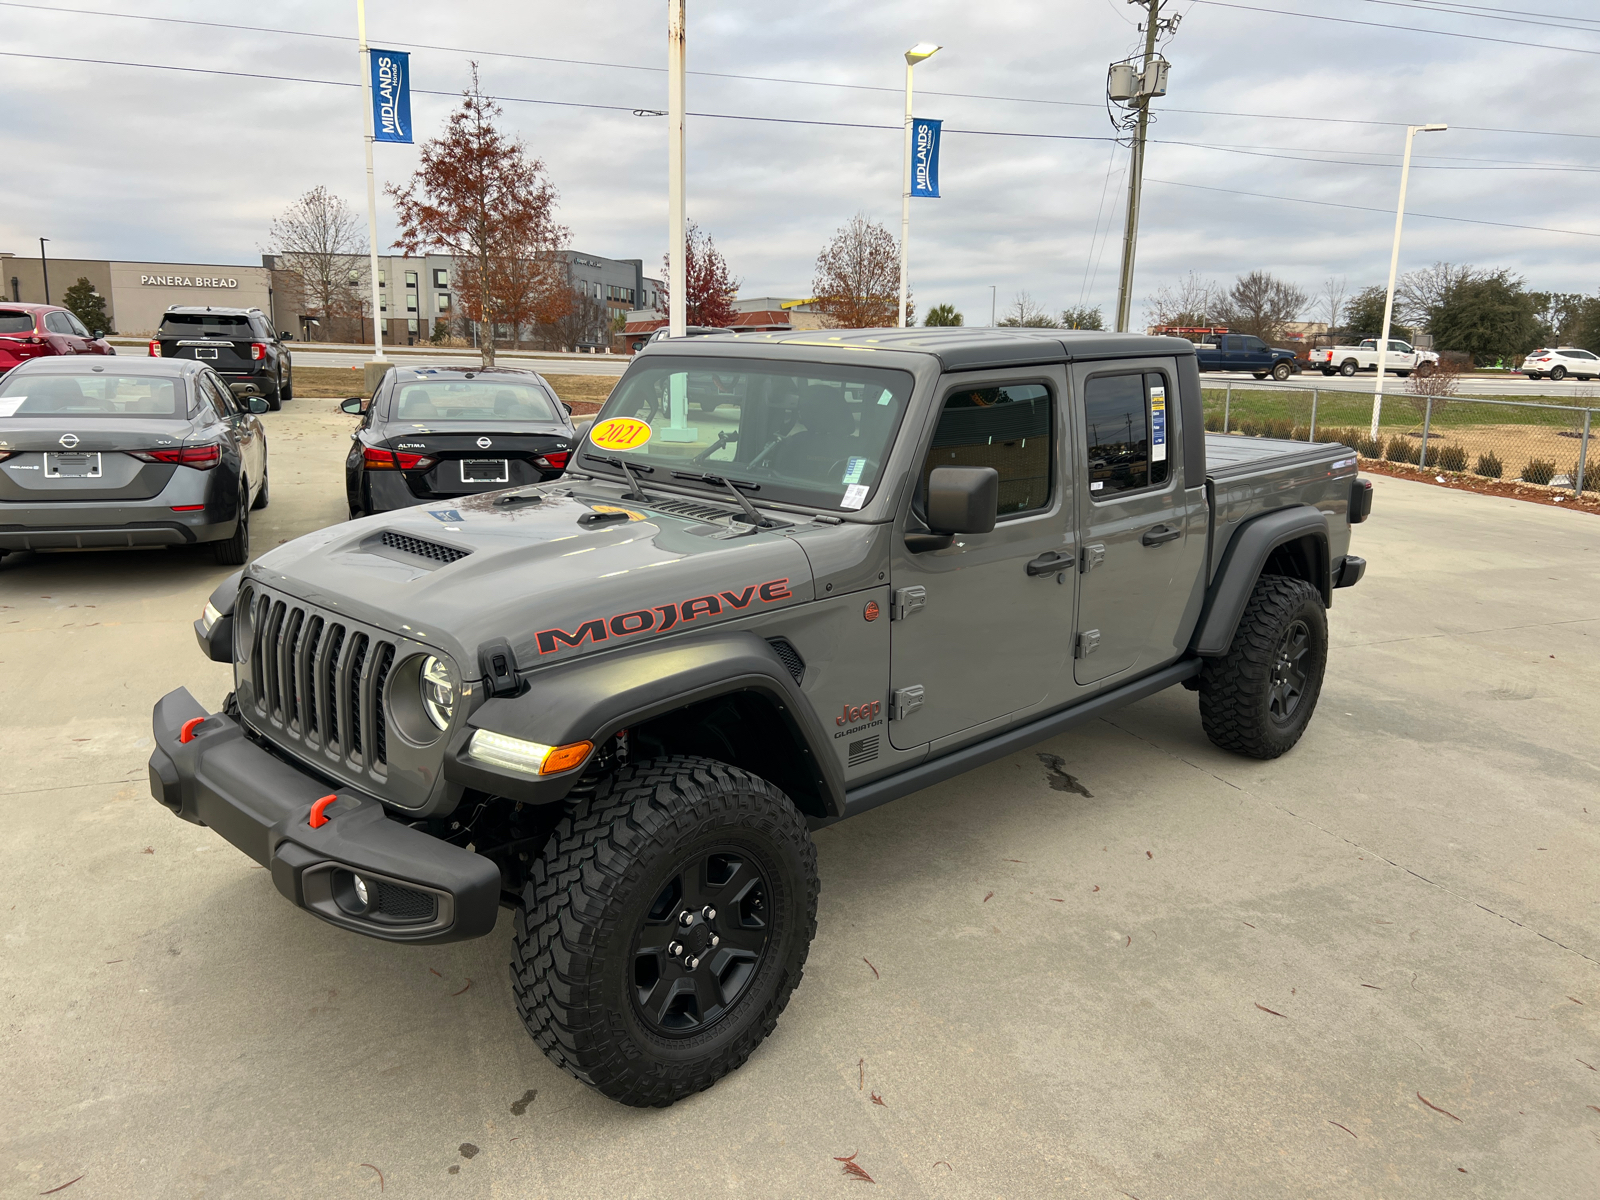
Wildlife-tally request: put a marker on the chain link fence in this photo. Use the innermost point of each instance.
(1548, 445)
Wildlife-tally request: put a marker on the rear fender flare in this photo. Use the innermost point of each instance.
(1242, 563)
(595, 697)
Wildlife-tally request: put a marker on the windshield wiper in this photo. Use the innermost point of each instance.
(733, 487)
(638, 492)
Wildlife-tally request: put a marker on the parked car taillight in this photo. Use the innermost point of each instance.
(155, 348)
(258, 351)
(555, 460)
(377, 459)
(201, 458)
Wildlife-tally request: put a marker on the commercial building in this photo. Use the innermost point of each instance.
(137, 293)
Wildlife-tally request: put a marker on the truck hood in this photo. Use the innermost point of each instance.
(532, 574)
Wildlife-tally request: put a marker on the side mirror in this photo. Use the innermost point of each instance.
(356, 406)
(244, 391)
(259, 405)
(960, 500)
(286, 337)
(98, 333)
(567, 406)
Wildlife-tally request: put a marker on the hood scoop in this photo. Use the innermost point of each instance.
(687, 508)
(416, 547)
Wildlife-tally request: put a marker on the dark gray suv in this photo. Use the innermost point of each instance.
(237, 343)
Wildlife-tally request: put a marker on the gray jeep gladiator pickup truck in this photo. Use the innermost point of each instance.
(787, 578)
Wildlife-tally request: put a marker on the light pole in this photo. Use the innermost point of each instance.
(677, 221)
(374, 371)
(992, 313)
(1394, 263)
(45, 270)
(914, 55)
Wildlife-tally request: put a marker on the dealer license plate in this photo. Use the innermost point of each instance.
(483, 470)
(72, 466)
(205, 352)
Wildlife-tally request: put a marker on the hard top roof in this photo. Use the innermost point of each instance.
(213, 308)
(957, 347)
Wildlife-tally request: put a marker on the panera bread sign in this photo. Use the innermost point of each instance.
(195, 281)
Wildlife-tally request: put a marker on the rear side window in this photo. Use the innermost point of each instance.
(15, 322)
(57, 322)
(1007, 428)
(1126, 437)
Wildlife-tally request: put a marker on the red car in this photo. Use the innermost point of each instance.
(29, 331)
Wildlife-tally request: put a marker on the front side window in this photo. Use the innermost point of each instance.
(220, 396)
(802, 433)
(75, 325)
(1007, 428)
(1254, 343)
(1126, 434)
(60, 397)
(1399, 347)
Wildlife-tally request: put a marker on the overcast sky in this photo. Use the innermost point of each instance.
(126, 162)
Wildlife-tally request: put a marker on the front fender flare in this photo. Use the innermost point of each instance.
(1241, 566)
(593, 697)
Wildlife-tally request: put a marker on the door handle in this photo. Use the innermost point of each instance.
(1049, 563)
(1154, 537)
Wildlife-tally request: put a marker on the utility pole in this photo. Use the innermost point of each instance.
(677, 221)
(1122, 85)
(44, 270)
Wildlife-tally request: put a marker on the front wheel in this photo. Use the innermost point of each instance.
(1281, 372)
(1424, 370)
(664, 928)
(1328, 371)
(1259, 697)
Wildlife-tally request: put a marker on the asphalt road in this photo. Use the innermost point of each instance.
(1368, 969)
(425, 356)
(1544, 391)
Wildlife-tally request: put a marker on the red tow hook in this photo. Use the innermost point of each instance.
(318, 820)
(186, 733)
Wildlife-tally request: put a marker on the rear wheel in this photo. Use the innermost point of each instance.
(286, 388)
(235, 551)
(1347, 368)
(1558, 373)
(664, 928)
(1259, 697)
(261, 496)
(1403, 374)
(274, 395)
(1259, 374)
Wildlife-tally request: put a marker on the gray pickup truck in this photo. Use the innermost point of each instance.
(786, 579)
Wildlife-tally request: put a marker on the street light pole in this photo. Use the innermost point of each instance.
(992, 313)
(677, 218)
(44, 270)
(1394, 263)
(914, 55)
(374, 370)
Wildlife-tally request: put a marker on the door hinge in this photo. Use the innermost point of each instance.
(1090, 557)
(1088, 643)
(907, 600)
(905, 701)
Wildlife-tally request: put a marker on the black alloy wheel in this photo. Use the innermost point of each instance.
(1289, 680)
(701, 942)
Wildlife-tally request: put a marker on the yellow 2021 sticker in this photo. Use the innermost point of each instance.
(620, 433)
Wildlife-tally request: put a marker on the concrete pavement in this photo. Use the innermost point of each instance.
(1181, 974)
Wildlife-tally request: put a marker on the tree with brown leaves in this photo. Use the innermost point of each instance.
(857, 278)
(477, 195)
(712, 287)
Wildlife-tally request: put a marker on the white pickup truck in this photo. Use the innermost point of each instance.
(1402, 359)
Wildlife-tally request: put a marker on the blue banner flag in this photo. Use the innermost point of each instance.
(391, 95)
(925, 157)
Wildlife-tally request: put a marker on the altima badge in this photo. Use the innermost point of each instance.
(484, 443)
(69, 440)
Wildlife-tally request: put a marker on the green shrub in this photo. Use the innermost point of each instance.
(1489, 466)
(1401, 450)
(1449, 458)
(1538, 471)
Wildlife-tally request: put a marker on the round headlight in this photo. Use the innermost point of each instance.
(438, 692)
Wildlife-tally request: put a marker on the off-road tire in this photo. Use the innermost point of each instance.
(262, 497)
(588, 895)
(235, 551)
(1236, 691)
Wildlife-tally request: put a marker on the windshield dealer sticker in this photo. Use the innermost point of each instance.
(620, 433)
(854, 496)
(853, 469)
(1158, 423)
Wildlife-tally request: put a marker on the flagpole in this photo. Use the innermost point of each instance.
(378, 366)
(914, 55)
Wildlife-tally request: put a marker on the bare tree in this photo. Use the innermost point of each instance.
(1419, 294)
(857, 278)
(1025, 314)
(1190, 303)
(584, 320)
(1262, 305)
(1334, 292)
(320, 241)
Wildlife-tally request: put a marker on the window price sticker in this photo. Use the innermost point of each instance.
(854, 496)
(1158, 423)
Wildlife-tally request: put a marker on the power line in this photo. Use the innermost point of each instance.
(1368, 208)
(1340, 162)
(1501, 15)
(1520, 12)
(1473, 37)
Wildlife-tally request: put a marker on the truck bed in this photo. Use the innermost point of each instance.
(1246, 476)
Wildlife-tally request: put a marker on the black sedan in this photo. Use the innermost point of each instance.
(151, 452)
(432, 435)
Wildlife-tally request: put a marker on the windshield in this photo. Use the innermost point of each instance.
(226, 325)
(805, 433)
(443, 401)
(97, 395)
(13, 321)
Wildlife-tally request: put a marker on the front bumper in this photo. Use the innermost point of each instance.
(420, 889)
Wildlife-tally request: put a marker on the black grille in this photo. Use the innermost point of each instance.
(686, 508)
(423, 549)
(789, 657)
(358, 659)
(403, 903)
(380, 726)
(335, 645)
(863, 751)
